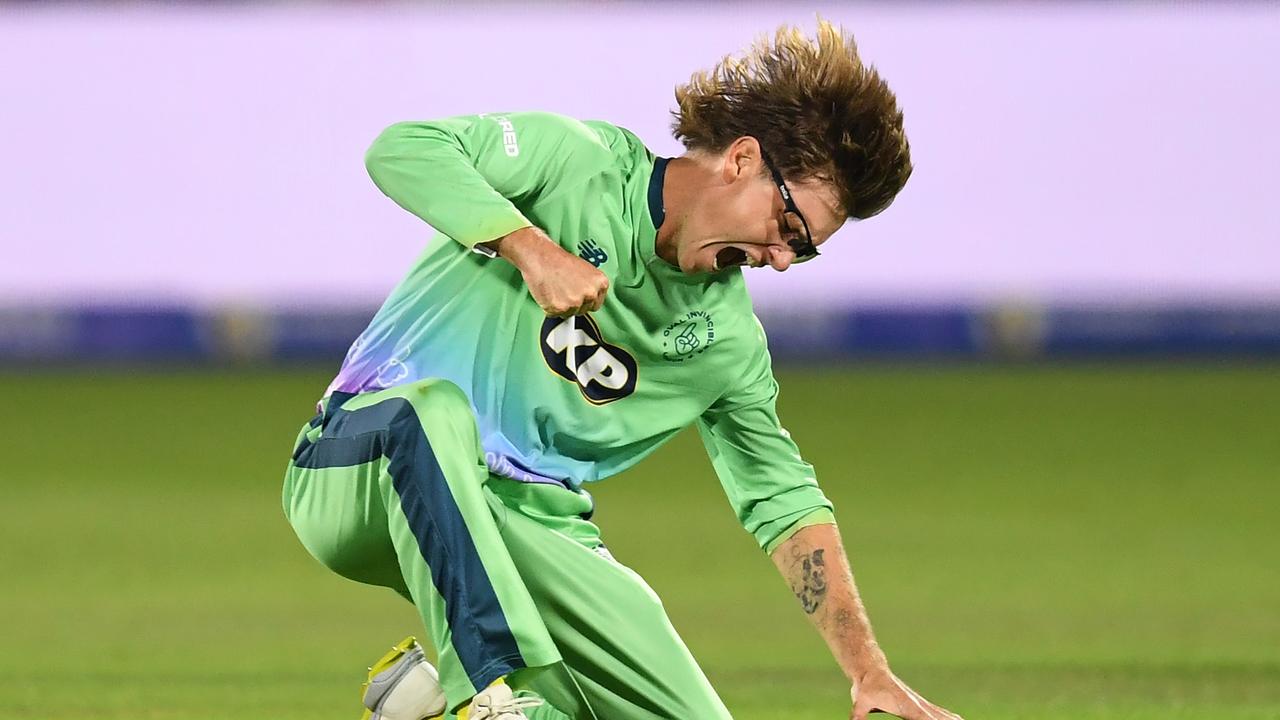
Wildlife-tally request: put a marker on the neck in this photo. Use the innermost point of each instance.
(678, 188)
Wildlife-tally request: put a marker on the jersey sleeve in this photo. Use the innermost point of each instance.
(468, 176)
(773, 491)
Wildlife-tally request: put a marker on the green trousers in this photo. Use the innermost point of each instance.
(390, 488)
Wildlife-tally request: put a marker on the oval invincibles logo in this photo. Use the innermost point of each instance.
(689, 335)
(574, 350)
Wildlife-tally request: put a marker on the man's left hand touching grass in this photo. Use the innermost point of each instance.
(879, 690)
(813, 563)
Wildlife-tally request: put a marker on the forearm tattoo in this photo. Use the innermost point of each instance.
(812, 582)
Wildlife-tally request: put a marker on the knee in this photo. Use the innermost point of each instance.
(437, 394)
(351, 544)
(441, 404)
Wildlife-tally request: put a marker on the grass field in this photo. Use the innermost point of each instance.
(1032, 542)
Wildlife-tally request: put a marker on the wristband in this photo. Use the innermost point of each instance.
(481, 249)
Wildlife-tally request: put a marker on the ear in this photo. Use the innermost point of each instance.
(742, 160)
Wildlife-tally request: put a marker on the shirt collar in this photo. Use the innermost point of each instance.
(656, 209)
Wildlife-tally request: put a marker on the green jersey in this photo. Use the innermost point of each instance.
(576, 400)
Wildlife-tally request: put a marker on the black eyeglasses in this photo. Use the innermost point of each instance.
(801, 242)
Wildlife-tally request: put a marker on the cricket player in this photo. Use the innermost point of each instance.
(581, 303)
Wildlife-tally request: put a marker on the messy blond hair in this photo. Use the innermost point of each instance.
(815, 108)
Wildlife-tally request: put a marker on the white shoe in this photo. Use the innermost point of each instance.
(403, 686)
(497, 702)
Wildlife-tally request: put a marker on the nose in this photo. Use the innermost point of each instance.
(779, 257)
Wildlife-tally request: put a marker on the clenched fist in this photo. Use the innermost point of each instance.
(562, 283)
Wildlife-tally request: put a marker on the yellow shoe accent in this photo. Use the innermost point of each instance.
(396, 652)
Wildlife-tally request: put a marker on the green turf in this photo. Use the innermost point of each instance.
(1032, 542)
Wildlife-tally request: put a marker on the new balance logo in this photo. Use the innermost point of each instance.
(592, 253)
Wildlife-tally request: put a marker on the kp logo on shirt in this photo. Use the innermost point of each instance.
(575, 351)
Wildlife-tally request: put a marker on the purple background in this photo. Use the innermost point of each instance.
(212, 156)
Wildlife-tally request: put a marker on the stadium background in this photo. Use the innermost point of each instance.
(1042, 388)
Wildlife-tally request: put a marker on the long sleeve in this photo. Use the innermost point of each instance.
(773, 491)
(469, 176)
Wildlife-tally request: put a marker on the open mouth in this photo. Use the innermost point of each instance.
(729, 257)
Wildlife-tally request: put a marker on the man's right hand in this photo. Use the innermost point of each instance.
(562, 283)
